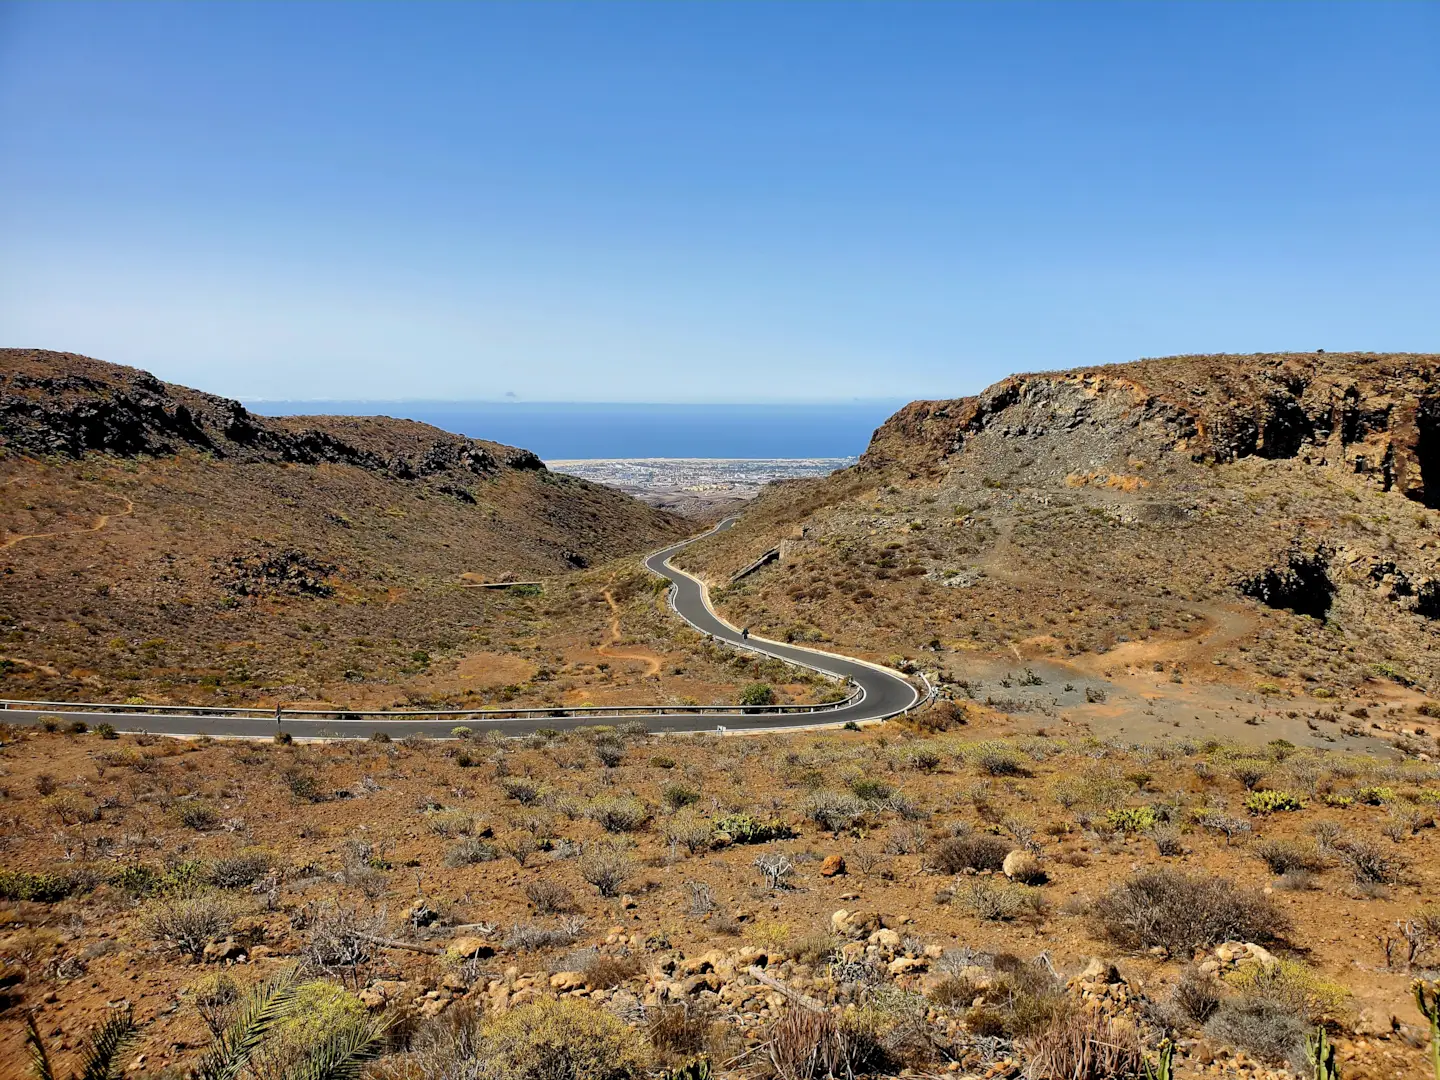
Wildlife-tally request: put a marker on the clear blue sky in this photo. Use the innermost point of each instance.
(696, 202)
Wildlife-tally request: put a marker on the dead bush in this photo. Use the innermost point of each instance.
(1282, 857)
(549, 897)
(970, 851)
(608, 869)
(1370, 863)
(1180, 912)
(607, 972)
(1197, 995)
(804, 1044)
(679, 1031)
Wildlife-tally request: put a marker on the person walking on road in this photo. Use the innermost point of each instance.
(745, 634)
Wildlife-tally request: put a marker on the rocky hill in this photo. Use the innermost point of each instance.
(156, 538)
(1262, 519)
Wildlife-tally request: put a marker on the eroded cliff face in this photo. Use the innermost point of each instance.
(1369, 414)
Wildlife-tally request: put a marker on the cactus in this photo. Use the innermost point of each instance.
(1320, 1057)
(1427, 998)
(698, 1069)
(1163, 1069)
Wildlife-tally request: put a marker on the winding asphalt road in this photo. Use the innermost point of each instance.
(885, 692)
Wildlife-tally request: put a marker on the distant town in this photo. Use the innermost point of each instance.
(696, 486)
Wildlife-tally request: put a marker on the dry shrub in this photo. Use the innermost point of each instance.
(189, 922)
(1181, 912)
(608, 972)
(1283, 857)
(971, 851)
(617, 814)
(1022, 999)
(1266, 1028)
(987, 899)
(1369, 862)
(469, 851)
(1083, 1045)
(608, 869)
(680, 1030)
(1197, 995)
(549, 897)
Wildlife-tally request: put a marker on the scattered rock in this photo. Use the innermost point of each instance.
(565, 981)
(833, 866)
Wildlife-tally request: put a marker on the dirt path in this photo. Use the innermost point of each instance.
(652, 665)
(100, 523)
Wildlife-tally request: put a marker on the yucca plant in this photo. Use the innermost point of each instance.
(1320, 1057)
(100, 1058)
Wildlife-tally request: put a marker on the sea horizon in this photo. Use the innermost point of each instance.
(576, 431)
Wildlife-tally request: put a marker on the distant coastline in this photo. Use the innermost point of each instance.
(576, 431)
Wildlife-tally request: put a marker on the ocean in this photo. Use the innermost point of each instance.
(561, 430)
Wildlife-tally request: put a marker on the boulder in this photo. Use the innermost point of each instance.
(906, 965)
(839, 921)
(888, 939)
(1024, 867)
(833, 866)
(1098, 970)
(463, 948)
(220, 952)
(565, 981)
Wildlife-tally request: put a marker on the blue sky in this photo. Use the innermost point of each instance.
(691, 202)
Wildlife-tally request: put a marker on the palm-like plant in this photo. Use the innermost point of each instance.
(99, 1060)
(339, 1056)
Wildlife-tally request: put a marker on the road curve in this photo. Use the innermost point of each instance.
(886, 692)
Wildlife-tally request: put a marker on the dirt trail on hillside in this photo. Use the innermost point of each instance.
(100, 523)
(652, 664)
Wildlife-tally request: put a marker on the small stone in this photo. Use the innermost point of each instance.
(567, 980)
(1098, 970)
(833, 866)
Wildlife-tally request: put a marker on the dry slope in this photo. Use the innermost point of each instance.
(158, 540)
(1263, 521)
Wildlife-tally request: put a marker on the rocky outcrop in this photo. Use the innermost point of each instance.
(61, 403)
(1377, 415)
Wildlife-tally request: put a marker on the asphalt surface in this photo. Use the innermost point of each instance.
(886, 693)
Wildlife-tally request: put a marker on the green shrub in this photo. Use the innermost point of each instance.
(1133, 819)
(746, 829)
(198, 816)
(677, 796)
(1271, 802)
(871, 789)
(618, 813)
(41, 888)
(106, 731)
(460, 731)
(757, 694)
(559, 1040)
